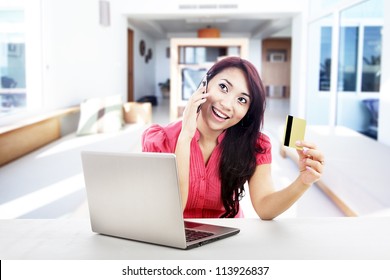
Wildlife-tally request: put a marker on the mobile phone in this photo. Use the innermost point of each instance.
(203, 84)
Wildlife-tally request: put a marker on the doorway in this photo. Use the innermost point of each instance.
(276, 64)
(130, 65)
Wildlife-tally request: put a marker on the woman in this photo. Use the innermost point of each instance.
(219, 147)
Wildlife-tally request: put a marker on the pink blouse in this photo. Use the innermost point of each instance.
(204, 196)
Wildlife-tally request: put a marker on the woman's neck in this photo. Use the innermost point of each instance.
(208, 139)
(207, 135)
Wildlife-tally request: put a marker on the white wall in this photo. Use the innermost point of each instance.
(82, 59)
(255, 53)
(144, 73)
(163, 65)
(298, 65)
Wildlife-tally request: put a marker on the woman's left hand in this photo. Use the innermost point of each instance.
(311, 162)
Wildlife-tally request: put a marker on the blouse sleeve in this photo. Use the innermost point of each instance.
(154, 139)
(265, 156)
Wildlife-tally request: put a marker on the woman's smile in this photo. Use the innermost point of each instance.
(219, 115)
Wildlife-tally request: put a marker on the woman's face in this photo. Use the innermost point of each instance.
(228, 101)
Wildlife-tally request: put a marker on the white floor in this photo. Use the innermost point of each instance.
(314, 203)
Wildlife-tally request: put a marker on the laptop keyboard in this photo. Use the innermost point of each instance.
(192, 235)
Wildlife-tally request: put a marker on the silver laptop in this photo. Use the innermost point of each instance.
(136, 196)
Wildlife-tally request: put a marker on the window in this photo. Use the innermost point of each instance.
(360, 42)
(371, 72)
(325, 58)
(12, 62)
(348, 58)
(348, 40)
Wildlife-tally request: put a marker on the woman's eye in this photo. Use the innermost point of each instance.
(223, 87)
(242, 100)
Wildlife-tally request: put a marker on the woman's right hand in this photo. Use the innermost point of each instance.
(191, 112)
(183, 145)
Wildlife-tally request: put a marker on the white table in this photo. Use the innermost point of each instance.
(296, 238)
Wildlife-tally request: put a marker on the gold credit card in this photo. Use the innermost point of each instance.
(294, 131)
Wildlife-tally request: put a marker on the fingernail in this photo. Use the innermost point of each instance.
(298, 143)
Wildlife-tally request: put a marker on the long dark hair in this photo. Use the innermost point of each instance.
(239, 146)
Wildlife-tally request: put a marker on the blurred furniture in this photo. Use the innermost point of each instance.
(8, 82)
(23, 137)
(149, 98)
(136, 112)
(373, 108)
(165, 88)
(30, 134)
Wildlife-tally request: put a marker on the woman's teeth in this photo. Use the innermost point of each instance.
(220, 114)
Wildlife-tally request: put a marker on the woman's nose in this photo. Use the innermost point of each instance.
(227, 102)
